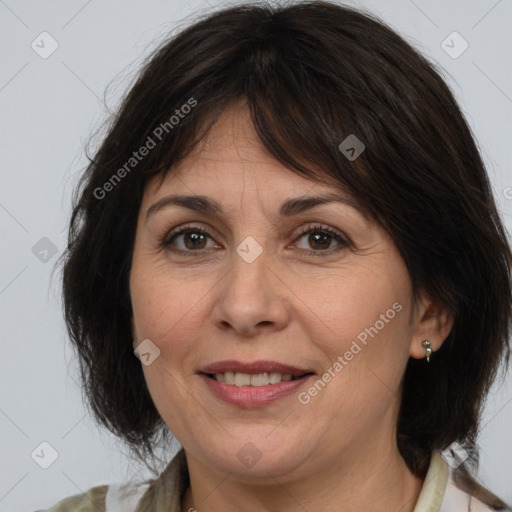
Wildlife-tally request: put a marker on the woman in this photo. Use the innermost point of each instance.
(290, 225)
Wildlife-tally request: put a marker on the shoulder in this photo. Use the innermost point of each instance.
(103, 498)
(446, 489)
(125, 497)
(457, 498)
(93, 500)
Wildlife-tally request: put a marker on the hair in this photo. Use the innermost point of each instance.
(311, 73)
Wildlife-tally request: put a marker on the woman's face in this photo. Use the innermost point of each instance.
(244, 286)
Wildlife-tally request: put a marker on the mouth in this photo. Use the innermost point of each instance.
(240, 379)
(257, 373)
(252, 385)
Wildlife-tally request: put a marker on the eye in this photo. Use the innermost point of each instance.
(189, 239)
(320, 239)
(193, 239)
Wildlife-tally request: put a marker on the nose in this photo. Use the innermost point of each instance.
(252, 297)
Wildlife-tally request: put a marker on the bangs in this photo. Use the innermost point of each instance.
(302, 131)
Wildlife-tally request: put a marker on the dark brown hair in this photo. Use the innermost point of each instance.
(312, 73)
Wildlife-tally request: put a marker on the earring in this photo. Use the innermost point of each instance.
(428, 349)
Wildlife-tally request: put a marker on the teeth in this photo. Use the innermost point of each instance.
(261, 379)
(275, 377)
(229, 378)
(242, 379)
(246, 379)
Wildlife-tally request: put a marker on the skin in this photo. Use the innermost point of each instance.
(289, 305)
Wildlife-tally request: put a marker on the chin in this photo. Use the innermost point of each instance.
(257, 458)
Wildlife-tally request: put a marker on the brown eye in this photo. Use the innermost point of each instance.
(188, 239)
(194, 240)
(320, 239)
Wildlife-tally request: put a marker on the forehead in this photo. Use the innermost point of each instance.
(231, 171)
(231, 153)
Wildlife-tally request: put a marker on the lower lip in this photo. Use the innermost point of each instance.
(251, 397)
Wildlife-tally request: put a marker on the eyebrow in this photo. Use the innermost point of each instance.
(289, 208)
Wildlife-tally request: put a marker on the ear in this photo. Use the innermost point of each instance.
(432, 322)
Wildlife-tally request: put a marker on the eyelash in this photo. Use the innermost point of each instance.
(316, 229)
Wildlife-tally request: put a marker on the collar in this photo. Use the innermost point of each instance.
(434, 485)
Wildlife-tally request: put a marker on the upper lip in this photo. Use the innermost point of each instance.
(253, 368)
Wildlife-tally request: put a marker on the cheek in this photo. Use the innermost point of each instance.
(361, 303)
(168, 312)
(165, 312)
(369, 329)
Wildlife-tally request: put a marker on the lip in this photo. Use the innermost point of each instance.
(254, 367)
(252, 397)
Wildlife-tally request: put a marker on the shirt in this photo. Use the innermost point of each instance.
(438, 493)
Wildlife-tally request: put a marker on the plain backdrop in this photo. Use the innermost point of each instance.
(50, 104)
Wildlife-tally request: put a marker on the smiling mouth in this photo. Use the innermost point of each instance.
(254, 380)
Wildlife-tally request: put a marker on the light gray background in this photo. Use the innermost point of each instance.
(48, 109)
